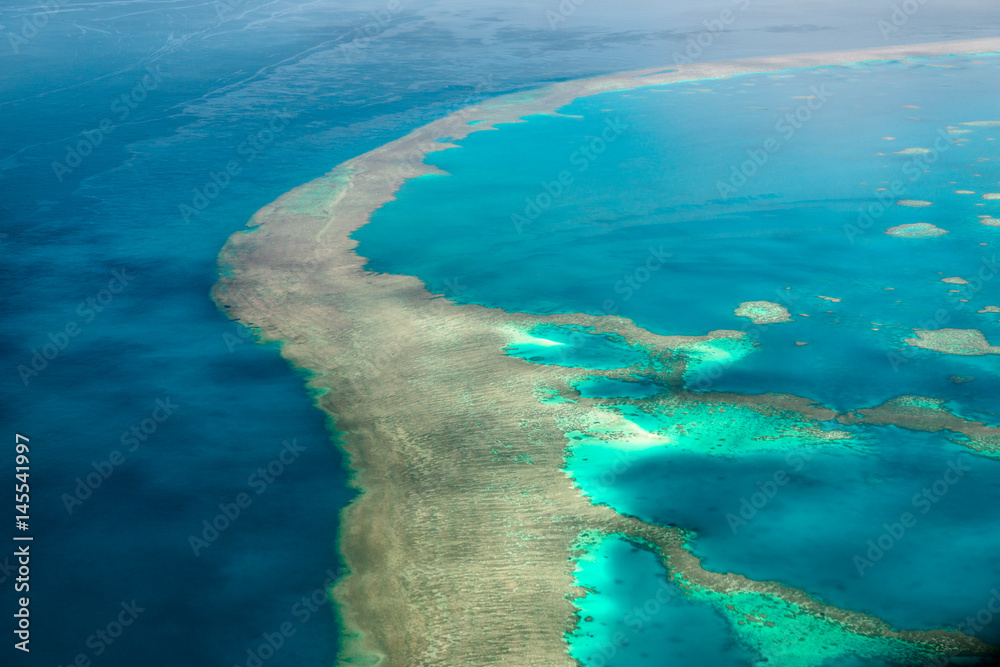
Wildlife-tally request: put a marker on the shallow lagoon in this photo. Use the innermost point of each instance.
(655, 229)
(791, 234)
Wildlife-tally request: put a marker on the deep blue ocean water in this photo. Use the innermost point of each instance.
(653, 226)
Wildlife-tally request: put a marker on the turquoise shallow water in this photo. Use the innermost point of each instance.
(633, 615)
(575, 346)
(600, 387)
(808, 528)
(655, 228)
(637, 616)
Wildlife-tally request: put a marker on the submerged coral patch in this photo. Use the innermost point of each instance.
(917, 230)
(967, 342)
(763, 312)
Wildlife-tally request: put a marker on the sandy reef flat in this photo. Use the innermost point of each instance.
(457, 555)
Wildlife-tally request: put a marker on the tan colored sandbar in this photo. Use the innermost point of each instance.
(919, 413)
(763, 312)
(460, 552)
(965, 342)
(916, 230)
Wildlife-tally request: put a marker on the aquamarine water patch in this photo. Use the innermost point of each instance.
(573, 346)
(708, 360)
(734, 430)
(602, 387)
(635, 616)
(826, 519)
(783, 636)
(718, 429)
